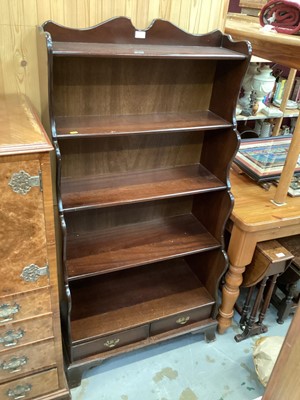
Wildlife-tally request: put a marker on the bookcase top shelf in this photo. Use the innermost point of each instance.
(80, 49)
(117, 37)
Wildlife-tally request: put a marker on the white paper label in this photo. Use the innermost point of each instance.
(280, 254)
(140, 34)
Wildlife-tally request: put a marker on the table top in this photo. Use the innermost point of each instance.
(20, 129)
(277, 47)
(253, 209)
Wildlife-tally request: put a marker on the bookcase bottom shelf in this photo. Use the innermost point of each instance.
(124, 307)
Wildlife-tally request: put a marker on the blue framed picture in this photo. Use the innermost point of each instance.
(263, 159)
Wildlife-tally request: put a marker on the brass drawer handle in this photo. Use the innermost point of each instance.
(7, 311)
(14, 364)
(111, 343)
(10, 338)
(32, 272)
(19, 392)
(182, 320)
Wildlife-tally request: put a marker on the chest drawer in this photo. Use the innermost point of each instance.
(23, 277)
(26, 359)
(181, 319)
(24, 332)
(30, 387)
(22, 231)
(24, 305)
(110, 342)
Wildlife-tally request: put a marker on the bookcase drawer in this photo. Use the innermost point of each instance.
(181, 319)
(111, 342)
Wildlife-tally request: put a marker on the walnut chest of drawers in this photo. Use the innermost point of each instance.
(31, 361)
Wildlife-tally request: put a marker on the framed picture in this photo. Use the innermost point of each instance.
(263, 159)
(294, 188)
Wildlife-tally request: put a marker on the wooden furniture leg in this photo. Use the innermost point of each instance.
(240, 251)
(286, 304)
(246, 308)
(230, 293)
(266, 302)
(248, 331)
(270, 259)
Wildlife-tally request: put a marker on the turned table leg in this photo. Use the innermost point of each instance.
(240, 252)
(230, 293)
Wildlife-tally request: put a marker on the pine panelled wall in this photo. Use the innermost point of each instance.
(19, 18)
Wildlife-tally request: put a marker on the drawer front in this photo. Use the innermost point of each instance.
(26, 359)
(181, 319)
(30, 387)
(22, 232)
(24, 305)
(110, 342)
(24, 332)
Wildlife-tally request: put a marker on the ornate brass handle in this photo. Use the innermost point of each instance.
(182, 320)
(14, 364)
(111, 343)
(10, 338)
(19, 392)
(7, 311)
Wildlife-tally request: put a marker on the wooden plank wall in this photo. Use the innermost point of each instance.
(18, 20)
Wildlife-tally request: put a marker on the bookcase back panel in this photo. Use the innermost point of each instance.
(103, 218)
(123, 154)
(101, 86)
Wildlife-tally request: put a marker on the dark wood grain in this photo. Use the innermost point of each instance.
(100, 191)
(121, 30)
(96, 219)
(115, 302)
(72, 127)
(217, 261)
(221, 204)
(131, 86)
(129, 154)
(131, 245)
(142, 50)
(223, 145)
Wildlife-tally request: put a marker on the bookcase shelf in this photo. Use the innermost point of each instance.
(92, 125)
(143, 144)
(129, 293)
(96, 191)
(117, 50)
(136, 244)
